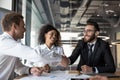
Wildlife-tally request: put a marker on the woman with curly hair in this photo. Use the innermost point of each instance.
(49, 39)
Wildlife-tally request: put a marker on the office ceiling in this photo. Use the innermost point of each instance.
(71, 15)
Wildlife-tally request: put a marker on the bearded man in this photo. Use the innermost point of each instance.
(96, 58)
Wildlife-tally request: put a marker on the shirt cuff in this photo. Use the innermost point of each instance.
(96, 70)
(29, 71)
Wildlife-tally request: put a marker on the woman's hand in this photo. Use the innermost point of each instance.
(36, 71)
(46, 68)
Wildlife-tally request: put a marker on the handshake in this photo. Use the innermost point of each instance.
(37, 71)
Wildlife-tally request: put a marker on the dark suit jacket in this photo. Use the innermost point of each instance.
(101, 57)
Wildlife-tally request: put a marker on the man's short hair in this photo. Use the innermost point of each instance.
(96, 26)
(9, 18)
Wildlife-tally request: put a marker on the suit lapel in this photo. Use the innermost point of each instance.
(85, 53)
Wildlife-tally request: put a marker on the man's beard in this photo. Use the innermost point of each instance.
(90, 39)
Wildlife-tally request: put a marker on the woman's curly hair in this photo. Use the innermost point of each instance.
(46, 28)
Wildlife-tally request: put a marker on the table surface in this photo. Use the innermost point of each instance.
(59, 75)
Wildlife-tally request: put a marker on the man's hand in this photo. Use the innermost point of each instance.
(46, 68)
(86, 69)
(65, 61)
(36, 71)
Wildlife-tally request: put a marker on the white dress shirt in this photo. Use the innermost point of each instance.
(10, 49)
(8, 65)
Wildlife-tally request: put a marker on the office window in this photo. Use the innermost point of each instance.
(6, 4)
(4, 8)
(33, 21)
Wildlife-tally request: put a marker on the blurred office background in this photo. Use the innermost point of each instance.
(69, 17)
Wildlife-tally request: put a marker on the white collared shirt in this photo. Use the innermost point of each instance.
(10, 49)
(93, 45)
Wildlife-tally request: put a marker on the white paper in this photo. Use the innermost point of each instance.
(82, 76)
(55, 75)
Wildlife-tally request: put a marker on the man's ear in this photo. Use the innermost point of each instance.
(97, 33)
(14, 25)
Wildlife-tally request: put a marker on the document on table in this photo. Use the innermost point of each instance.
(82, 76)
(55, 75)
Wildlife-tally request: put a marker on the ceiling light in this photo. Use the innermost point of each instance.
(105, 4)
(115, 14)
(119, 4)
(98, 15)
(109, 11)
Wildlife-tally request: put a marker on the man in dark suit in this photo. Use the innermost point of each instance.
(100, 59)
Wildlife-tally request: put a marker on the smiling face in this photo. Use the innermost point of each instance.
(51, 37)
(90, 34)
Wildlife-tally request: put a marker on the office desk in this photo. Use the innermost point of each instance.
(58, 75)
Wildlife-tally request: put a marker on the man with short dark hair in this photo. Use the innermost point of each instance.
(95, 54)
